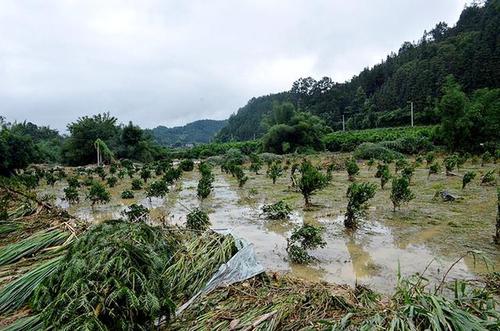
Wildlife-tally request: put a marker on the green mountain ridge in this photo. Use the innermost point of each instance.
(201, 131)
(380, 96)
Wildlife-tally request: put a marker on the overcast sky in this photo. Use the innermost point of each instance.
(158, 62)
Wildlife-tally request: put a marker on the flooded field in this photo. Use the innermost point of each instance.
(426, 233)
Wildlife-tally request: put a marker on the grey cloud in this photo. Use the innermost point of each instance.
(170, 62)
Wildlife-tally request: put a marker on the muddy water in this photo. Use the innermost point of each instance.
(372, 255)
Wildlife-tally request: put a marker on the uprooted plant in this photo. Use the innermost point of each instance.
(278, 210)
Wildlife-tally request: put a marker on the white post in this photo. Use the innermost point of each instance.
(411, 110)
(98, 156)
(343, 123)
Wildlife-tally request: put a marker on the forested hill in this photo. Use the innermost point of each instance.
(379, 96)
(201, 131)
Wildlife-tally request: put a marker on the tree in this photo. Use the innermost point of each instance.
(78, 148)
(407, 172)
(310, 181)
(497, 227)
(358, 195)
(401, 192)
(98, 193)
(205, 184)
(352, 168)
(450, 162)
(187, 165)
(136, 184)
(290, 130)
(136, 213)
(198, 220)
(102, 150)
(468, 177)
(157, 188)
(383, 173)
(302, 239)
(145, 173)
(17, 151)
(127, 194)
(71, 194)
(274, 171)
(111, 181)
(256, 164)
(434, 168)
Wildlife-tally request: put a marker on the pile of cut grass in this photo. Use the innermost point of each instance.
(270, 302)
(32, 245)
(118, 275)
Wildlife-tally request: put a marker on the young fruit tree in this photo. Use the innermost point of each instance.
(310, 181)
(358, 195)
(401, 192)
(434, 169)
(197, 220)
(136, 213)
(274, 171)
(256, 164)
(157, 188)
(450, 162)
(145, 174)
(98, 193)
(352, 168)
(302, 239)
(383, 173)
(468, 177)
(71, 194)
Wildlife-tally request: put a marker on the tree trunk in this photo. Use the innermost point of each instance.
(497, 235)
(350, 222)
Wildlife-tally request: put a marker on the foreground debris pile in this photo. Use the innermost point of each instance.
(273, 302)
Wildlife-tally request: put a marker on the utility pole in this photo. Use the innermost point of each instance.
(411, 112)
(343, 122)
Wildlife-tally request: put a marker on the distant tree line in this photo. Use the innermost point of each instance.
(25, 143)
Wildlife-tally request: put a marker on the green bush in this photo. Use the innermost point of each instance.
(347, 141)
(145, 173)
(136, 184)
(367, 151)
(158, 188)
(127, 194)
(187, 165)
(71, 194)
(488, 178)
(112, 180)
